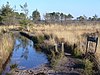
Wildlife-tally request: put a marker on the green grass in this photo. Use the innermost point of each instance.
(88, 67)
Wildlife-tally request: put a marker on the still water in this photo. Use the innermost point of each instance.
(25, 56)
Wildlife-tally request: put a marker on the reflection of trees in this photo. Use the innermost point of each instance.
(25, 54)
(22, 42)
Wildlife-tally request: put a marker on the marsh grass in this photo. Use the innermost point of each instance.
(6, 46)
(88, 67)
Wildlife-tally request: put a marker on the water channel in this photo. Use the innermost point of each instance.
(25, 56)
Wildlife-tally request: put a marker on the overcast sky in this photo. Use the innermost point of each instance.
(74, 7)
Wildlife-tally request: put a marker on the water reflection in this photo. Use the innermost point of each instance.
(25, 56)
(23, 43)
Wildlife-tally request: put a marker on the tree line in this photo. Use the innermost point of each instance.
(9, 16)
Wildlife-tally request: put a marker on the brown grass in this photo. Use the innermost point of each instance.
(71, 33)
(6, 46)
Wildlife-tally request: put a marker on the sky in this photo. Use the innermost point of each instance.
(74, 7)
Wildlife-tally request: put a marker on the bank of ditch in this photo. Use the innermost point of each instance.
(6, 47)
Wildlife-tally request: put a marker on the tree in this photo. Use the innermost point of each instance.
(6, 14)
(24, 8)
(98, 19)
(85, 17)
(57, 16)
(47, 17)
(66, 17)
(80, 18)
(95, 18)
(61, 17)
(36, 15)
(90, 19)
(24, 16)
(69, 16)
